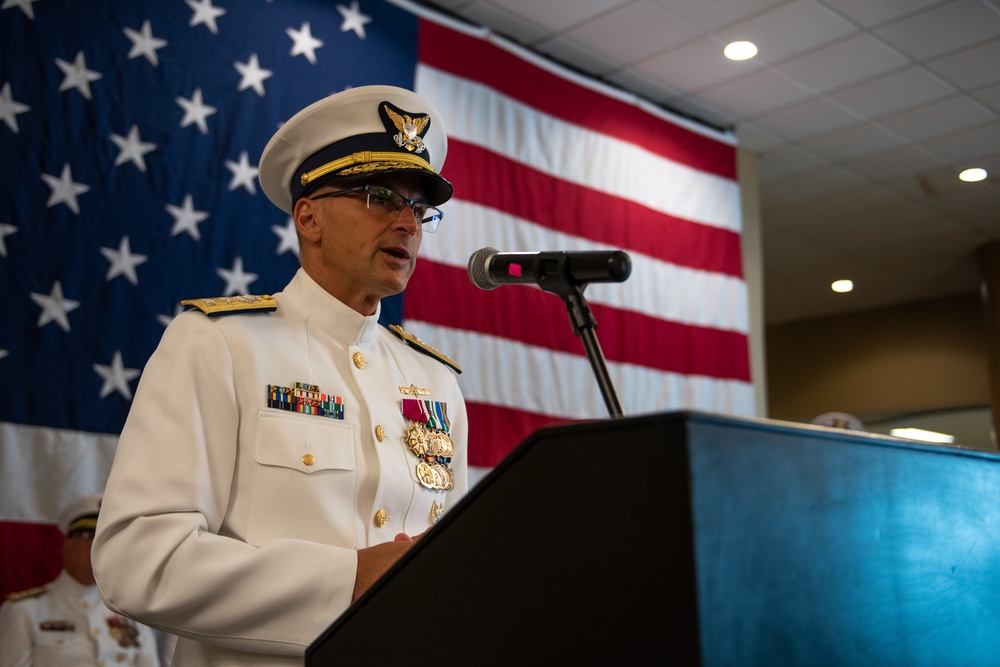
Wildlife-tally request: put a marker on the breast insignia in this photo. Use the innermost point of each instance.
(421, 346)
(221, 305)
(25, 595)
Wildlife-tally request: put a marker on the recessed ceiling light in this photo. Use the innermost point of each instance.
(921, 434)
(973, 175)
(740, 50)
(842, 286)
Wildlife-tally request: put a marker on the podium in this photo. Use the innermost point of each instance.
(696, 539)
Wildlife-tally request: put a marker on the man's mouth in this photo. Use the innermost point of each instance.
(398, 253)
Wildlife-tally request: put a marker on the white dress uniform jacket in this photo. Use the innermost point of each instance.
(235, 525)
(66, 623)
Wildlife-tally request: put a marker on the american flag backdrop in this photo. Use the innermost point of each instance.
(130, 132)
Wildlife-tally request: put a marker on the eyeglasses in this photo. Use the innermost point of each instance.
(386, 204)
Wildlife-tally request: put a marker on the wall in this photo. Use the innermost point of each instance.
(918, 358)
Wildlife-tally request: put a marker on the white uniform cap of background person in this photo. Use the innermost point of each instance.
(839, 420)
(358, 133)
(80, 513)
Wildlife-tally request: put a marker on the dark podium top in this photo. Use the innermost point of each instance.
(688, 538)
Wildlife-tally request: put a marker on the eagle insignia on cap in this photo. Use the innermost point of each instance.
(410, 129)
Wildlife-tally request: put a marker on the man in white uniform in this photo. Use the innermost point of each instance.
(65, 622)
(283, 451)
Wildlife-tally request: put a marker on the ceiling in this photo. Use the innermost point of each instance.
(861, 113)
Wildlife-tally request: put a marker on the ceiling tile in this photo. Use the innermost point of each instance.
(937, 119)
(894, 92)
(789, 29)
(818, 183)
(582, 58)
(849, 61)
(851, 142)
(812, 118)
(695, 66)
(971, 68)
(504, 23)
(713, 14)
(869, 13)
(857, 202)
(756, 140)
(990, 96)
(557, 16)
(944, 28)
(754, 94)
(964, 148)
(888, 164)
(643, 85)
(634, 31)
(787, 161)
(702, 111)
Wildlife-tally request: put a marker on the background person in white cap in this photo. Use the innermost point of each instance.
(65, 622)
(283, 452)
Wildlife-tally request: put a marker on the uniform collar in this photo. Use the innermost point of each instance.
(329, 313)
(73, 588)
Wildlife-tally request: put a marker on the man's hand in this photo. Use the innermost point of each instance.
(375, 561)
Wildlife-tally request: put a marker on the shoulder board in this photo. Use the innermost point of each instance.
(421, 346)
(233, 304)
(25, 595)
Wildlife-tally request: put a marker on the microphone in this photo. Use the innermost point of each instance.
(490, 268)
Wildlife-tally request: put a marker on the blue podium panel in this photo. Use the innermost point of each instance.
(688, 538)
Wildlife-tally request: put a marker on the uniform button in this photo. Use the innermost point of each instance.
(379, 433)
(381, 518)
(308, 459)
(359, 360)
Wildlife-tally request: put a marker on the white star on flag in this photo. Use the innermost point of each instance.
(237, 281)
(304, 44)
(77, 75)
(25, 6)
(3, 353)
(195, 111)
(186, 219)
(205, 13)
(243, 174)
(9, 108)
(132, 148)
(252, 75)
(116, 376)
(144, 44)
(123, 262)
(5, 231)
(288, 240)
(55, 307)
(353, 19)
(64, 189)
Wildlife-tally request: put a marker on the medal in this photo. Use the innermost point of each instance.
(428, 439)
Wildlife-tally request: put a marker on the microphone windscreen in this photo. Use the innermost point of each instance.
(478, 273)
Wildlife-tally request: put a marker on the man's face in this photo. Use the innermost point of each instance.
(357, 253)
(76, 556)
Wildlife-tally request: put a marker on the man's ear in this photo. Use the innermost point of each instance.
(304, 214)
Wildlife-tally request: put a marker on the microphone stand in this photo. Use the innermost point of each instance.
(584, 324)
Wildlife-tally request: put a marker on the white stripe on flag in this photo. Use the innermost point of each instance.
(46, 468)
(655, 288)
(484, 117)
(558, 384)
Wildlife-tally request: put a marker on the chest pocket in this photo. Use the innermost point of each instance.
(304, 480)
(304, 443)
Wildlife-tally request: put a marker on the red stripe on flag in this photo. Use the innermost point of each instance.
(32, 555)
(483, 177)
(478, 60)
(495, 431)
(541, 320)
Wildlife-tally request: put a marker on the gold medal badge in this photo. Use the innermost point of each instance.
(428, 439)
